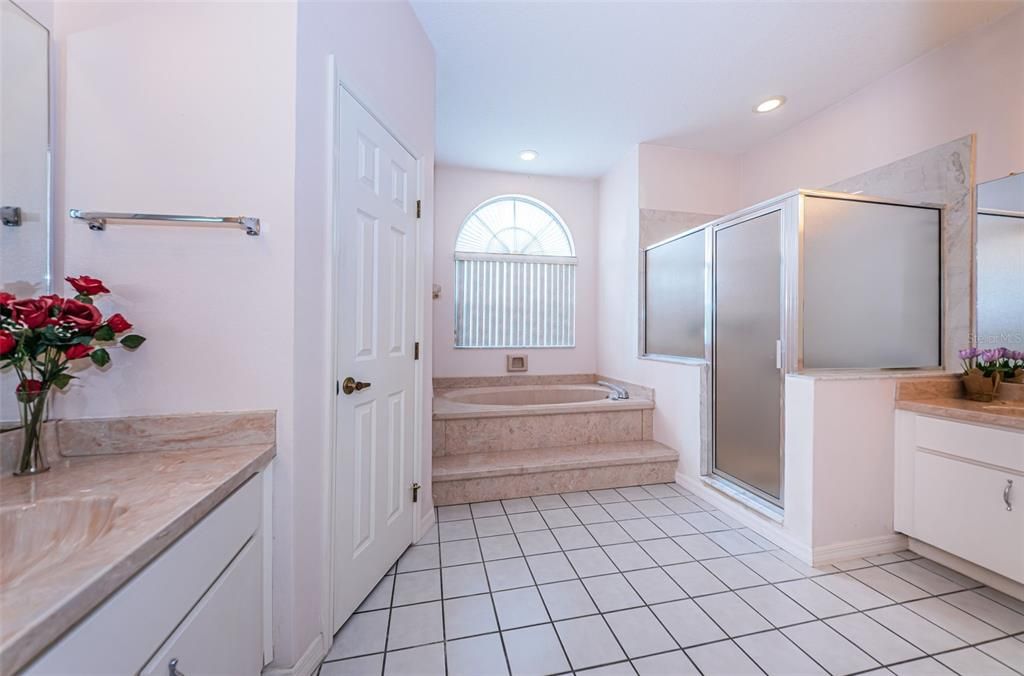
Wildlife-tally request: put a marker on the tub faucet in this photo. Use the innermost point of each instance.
(618, 392)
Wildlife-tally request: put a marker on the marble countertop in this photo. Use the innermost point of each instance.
(998, 413)
(159, 496)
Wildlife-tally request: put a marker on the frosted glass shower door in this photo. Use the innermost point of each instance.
(746, 372)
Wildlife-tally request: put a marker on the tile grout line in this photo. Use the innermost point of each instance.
(547, 611)
(729, 527)
(490, 593)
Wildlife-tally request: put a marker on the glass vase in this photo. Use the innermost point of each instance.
(33, 414)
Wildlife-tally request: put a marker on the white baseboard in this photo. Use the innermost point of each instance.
(843, 551)
(971, 570)
(772, 529)
(307, 662)
(755, 521)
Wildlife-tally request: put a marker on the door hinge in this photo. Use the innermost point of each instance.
(416, 351)
(415, 492)
(419, 208)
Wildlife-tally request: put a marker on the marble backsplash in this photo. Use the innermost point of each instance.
(141, 434)
(945, 387)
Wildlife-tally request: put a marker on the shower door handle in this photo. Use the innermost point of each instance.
(778, 354)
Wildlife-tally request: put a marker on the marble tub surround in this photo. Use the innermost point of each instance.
(486, 450)
(140, 434)
(443, 384)
(145, 517)
(447, 406)
(944, 397)
(495, 434)
(503, 475)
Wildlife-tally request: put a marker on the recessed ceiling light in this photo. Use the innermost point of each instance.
(768, 105)
(528, 155)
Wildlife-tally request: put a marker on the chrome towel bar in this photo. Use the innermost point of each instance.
(97, 220)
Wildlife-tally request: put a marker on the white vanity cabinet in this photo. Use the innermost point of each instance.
(200, 602)
(960, 488)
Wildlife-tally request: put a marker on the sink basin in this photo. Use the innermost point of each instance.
(45, 533)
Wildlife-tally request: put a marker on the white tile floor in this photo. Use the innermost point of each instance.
(651, 580)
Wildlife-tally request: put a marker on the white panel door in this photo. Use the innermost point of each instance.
(375, 262)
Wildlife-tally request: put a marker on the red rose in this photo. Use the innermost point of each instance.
(30, 386)
(118, 323)
(7, 342)
(87, 286)
(33, 312)
(77, 351)
(84, 317)
(6, 298)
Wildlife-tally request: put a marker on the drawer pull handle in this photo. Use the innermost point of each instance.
(172, 668)
(1006, 495)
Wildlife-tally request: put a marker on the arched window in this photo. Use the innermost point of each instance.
(515, 276)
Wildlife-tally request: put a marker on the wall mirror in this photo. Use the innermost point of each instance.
(25, 231)
(25, 239)
(999, 266)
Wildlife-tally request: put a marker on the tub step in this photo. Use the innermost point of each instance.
(472, 477)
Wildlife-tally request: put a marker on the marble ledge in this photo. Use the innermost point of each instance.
(443, 385)
(867, 374)
(40, 608)
(446, 409)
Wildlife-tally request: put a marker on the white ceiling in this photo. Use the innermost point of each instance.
(582, 81)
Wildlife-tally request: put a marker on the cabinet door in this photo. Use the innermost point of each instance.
(959, 507)
(223, 635)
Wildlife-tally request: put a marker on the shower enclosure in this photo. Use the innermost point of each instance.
(805, 283)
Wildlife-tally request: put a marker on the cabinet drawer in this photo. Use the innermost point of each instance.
(959, 507)
(989, 445)
(223, 634)
(120, 635)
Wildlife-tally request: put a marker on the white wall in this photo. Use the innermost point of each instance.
(839, 433)
(385, 59)
(458, 192)
(147, 125)
(975, 84)
(653, 177)
(231, 126)
(677, 179)
(839, 464)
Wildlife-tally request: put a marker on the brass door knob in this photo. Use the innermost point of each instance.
(350, 385)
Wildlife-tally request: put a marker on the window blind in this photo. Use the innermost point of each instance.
(515, 301)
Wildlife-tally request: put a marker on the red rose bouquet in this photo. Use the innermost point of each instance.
(41, 337)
